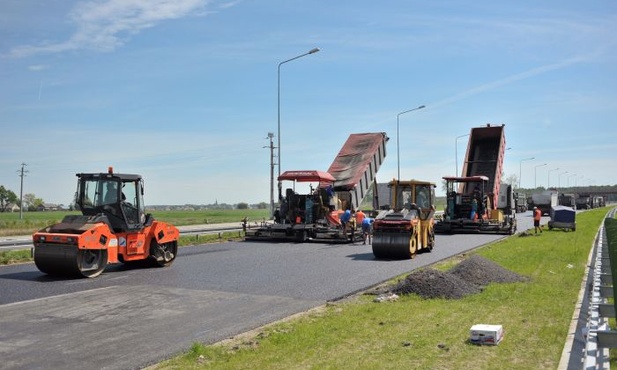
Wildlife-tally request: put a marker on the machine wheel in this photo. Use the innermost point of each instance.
(431, 240)
(92, 262)
(413, 245)
(61, 260)
(164, 254)
(394, 245)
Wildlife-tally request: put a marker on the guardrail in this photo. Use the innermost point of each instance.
(598, 336)
(22, 241)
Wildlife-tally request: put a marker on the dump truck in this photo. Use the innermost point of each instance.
(545, 200)
(597, 201)
(568, 200)
(406, 228)
(521, 202)
(315, 215)
(583, 201)
(478, 202)
(113, 227)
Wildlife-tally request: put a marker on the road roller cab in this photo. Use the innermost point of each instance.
(113, 227)
(406, 227)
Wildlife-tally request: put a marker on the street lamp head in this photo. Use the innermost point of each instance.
(422, 106)
(313, 51)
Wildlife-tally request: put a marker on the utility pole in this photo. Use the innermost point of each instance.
(22, 173)
(272, 164)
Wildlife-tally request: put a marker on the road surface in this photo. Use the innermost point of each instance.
(133, 317)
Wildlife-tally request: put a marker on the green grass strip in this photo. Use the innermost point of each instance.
(15, 256)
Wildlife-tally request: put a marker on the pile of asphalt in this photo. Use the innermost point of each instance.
(468, 277)
(481, 271)
(431, 283)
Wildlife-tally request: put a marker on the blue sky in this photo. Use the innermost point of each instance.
(184, 92)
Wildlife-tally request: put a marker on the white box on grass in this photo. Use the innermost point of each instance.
(486, 334)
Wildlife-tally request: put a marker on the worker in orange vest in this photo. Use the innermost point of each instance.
(537, 216)
(359, 217)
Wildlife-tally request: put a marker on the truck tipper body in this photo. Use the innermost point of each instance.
(355, 167)
(478, 201)
(545, 200)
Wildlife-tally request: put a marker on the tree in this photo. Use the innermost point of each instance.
(6, 197)
(37, 203)
(262, 205)
(512, 180)
(29, 200)
(242, 205)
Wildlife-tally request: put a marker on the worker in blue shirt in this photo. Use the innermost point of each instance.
(345, 217)
(367, 224)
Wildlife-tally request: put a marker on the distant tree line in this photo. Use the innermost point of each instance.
(8, 198)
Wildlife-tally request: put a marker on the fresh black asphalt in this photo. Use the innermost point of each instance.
(133, 317)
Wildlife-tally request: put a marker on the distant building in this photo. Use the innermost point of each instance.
(48, 207)
(11, 207)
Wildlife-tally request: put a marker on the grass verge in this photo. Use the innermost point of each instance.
(430, 334)
(15, 256)
(11, 224)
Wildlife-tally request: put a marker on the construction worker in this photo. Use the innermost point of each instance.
(367, 223)
(474, 209)
(111, 196)
(537, 216)
(345, 217)
(359, 217)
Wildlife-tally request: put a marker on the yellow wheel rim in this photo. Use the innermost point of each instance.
(413, 246)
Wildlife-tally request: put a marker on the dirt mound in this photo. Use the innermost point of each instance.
(481, 271)
(468, 277)
(431, 283)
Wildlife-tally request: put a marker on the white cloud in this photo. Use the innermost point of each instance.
(106, 25)
(510, 79)
(38, 67)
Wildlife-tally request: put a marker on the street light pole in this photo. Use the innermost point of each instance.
(559, 179)
(569, 178)
(520, 169)
(548, 180)
(312, 51)
(398, 158)
(535, 172)
(456, 152)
